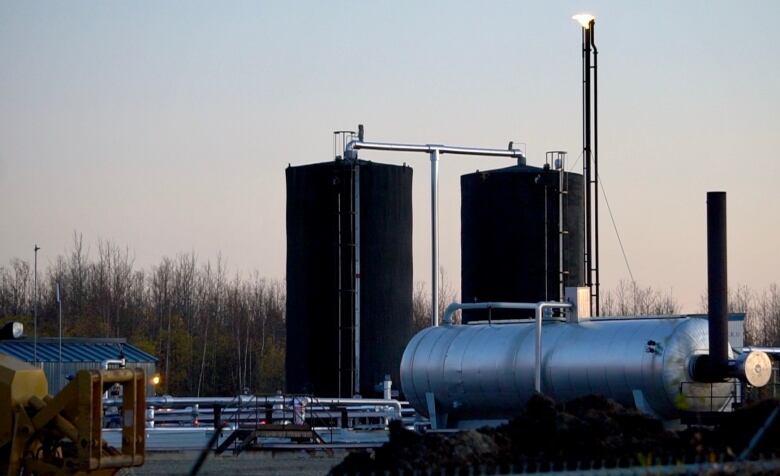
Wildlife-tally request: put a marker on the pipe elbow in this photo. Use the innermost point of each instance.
(448, 312)
(350, 151)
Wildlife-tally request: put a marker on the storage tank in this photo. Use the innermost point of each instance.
(510, 236)
(482, 372)
(349, 275)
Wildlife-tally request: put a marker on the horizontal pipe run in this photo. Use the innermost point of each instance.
(768, 350)
(248, 401)
(428, 148)
(358, 401)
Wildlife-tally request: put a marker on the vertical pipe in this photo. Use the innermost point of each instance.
(434, 237)
(546, 254)
(587, 158)
(339, 224)
(595, 164)
(561, 271)
(538, 350)
(584, 168)
(717, 280)
(356, 215)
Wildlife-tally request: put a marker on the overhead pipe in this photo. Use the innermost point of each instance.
(538, 309)
(434, 151)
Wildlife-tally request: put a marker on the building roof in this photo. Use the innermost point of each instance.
(74, 350)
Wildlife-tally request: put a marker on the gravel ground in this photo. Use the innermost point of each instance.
(250, 463)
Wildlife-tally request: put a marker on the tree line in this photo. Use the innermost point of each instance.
(216, 333)
(761, 307)
(213, 333)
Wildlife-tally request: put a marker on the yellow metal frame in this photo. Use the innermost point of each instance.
(43, 426)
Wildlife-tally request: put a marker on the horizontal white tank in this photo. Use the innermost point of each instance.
(486, 371)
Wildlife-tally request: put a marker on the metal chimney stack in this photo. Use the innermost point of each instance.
(717, 282)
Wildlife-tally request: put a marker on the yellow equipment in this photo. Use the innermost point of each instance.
(61, 435)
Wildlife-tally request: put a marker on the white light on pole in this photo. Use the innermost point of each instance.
(584, 19)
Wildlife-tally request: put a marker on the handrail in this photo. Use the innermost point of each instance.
(538, 307)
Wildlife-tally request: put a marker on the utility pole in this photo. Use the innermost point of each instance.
(59, 304)
(35, 305)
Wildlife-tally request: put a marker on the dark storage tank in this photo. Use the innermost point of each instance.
(322, 236)
(507, 251)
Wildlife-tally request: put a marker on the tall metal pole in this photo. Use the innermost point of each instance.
(586, 163)
(595, 164)
(59, 304)
(590, 158)
(35, 305)
(435, 237)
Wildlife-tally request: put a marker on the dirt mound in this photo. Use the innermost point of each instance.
(583, 432)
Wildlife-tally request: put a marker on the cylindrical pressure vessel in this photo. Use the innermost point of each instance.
(483, 371)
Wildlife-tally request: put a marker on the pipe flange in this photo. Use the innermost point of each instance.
(755, 368)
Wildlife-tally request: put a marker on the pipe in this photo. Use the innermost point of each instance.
(561, 271)
(435, 237)
(596, 165)
(387, 388)
(443, 149)
(587, 160)
(356, 279)
(434, 151)
(121, 362)
(768, 350)
(717, 282)
(538, 308)
(246, 400)
(360, 401)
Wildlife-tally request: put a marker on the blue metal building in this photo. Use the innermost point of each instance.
(78, 354)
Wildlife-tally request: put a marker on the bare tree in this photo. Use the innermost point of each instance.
(630, 299)
(17, 288)
(421, 301)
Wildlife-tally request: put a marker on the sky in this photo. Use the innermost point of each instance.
(166, 126)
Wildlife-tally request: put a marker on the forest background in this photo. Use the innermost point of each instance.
(219, 333)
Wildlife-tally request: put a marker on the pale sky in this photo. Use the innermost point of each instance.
(166, 126)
